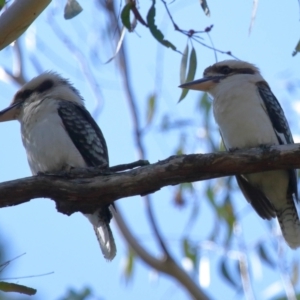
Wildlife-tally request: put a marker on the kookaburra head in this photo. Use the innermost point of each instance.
(58, 134)
(217, 77)
(249, 115)
(47, 85)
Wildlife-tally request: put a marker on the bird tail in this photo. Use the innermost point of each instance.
(100, 220)
(289, 222)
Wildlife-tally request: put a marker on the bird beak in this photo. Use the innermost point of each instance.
(203, 84)
(10, 113)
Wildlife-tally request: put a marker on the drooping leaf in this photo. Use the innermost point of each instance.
(297, 49)
(125, 15)
(138, 16)
(119, 45)
(205, 7)
(295, 273)
(154, 30)
(190, 251)
(265, 257)
(83, 294)
(178, 198)
(227, 214)
(17, 288)
(205, 104)
(128, 269)
(165, 123)
(191, 72)
(151, 107)
(253, 15)
(183, 64)
(72, 9)
(227, 274)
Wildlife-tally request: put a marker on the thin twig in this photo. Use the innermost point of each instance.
(166, 266)
(138, 138)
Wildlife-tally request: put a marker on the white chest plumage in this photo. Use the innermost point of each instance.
(242, 117)
(48, 145)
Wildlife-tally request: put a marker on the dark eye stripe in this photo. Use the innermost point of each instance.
(243, 71)
(25, 94)
(44, 86)
(226, 70)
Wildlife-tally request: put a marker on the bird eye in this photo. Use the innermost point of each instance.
(26, 93)
(225, 70)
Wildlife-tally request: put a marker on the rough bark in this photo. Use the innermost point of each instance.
(84, 189)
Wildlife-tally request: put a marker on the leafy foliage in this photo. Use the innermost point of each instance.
(157, 34)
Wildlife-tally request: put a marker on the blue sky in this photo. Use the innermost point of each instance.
(67, 245)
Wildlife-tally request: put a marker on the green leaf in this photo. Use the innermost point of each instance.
(154, 30)
(17, 288)
(83, 294)
(297, 49)
(295, 273)
(2, 3)
(151, 108)
(72, 9)
(183, 64)
(128, 270)
(205, 7)
(125, 15)
(190, 251)
(191, 72)
(205, 104)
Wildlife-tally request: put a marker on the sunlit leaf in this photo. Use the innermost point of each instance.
(129, 265)
(253, 15)
(295, 273)
(205, 8)
(154, 30)
(183, 64)
(151, 107)
(211, 196)
(265, 257)
(297, 49)
(229, 217)
(191, 72)
(119, 45)
(222, 145)
(72, 9)
(17, 288)
(125, 15)
(187, 186)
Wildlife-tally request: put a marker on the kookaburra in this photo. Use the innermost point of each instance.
(249, 115)
(58, 134)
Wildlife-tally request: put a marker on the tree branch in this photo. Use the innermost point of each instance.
(167, 266)
(18, 17)
(84, 189)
